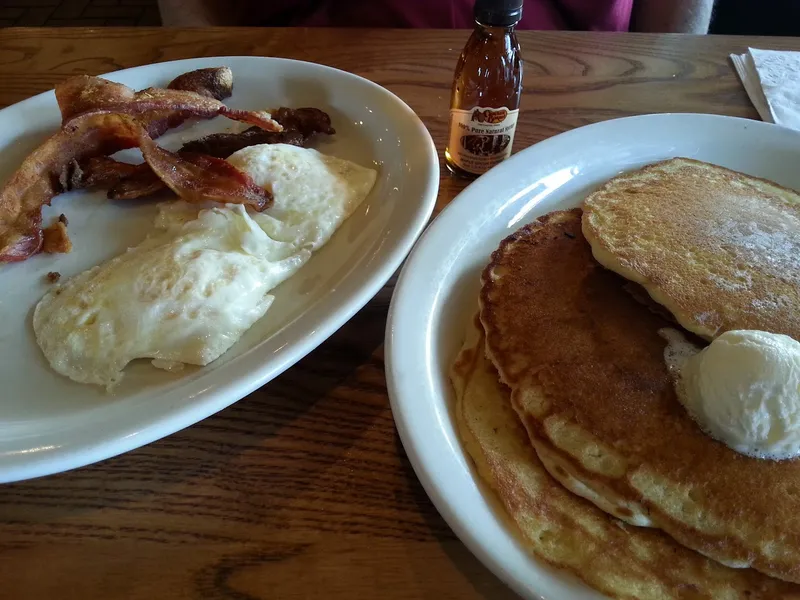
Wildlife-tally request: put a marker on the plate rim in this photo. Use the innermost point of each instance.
(240, 384)
(423, 467)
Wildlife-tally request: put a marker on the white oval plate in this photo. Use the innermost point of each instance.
(50, 424)
(438, 292)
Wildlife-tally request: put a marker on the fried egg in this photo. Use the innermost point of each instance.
(190, 290)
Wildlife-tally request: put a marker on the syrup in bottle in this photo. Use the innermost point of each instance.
(487, 86)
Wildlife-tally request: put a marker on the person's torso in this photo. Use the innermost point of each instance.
(600, 15)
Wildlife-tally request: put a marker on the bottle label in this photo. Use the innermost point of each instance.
(481, 137)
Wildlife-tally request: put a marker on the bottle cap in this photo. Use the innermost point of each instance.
(498, 13)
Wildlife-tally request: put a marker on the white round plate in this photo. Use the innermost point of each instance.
(50, 424)
(437, 294)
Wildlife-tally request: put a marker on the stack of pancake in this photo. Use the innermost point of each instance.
(567, 408)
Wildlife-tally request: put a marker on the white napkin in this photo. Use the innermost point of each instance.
(772, 80)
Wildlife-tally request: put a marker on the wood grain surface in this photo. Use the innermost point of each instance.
(302, 490)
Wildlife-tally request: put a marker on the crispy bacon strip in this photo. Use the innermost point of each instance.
(199, 178)
(83, 93)
(36, 181)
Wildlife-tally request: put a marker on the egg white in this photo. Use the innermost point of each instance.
(189, 291)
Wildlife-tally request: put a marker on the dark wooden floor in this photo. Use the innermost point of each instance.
(74, 13)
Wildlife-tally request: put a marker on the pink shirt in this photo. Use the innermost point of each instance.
(597, 15)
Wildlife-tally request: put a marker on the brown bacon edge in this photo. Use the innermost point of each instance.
(84, 93)
(197, 178)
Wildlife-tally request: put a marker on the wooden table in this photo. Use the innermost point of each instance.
(302, 490)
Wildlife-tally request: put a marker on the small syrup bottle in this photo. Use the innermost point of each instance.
(487, 86)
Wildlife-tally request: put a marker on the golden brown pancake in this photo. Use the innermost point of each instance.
(568, 532)
(585, 364)
(719, 249)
